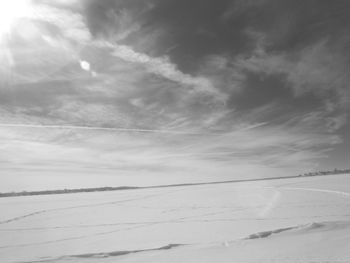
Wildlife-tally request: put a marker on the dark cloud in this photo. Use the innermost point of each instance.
(288, 25)
(260, 83)
(106, 18)
(188, 31)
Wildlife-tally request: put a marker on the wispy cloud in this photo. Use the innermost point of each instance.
(164, 68)
(314, 68)
(95, 102)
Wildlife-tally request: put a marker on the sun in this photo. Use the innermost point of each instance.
(11, 11)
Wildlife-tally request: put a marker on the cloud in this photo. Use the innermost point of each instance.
(239, 6)
(164, 68)
(43, 46)
(85, 95)
(314, 68)
(306, 87)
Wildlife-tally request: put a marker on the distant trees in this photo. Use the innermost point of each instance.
(101, 189)
(335, 171)
(66, 191)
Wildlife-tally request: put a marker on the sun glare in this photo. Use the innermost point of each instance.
(11, 11)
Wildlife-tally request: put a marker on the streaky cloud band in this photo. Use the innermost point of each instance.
(77, 127)
(118, 129)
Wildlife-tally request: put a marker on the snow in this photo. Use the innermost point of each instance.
(304, 219)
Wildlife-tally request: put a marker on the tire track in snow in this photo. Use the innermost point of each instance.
(344, 194)
(23, 216)
(80, 206)
(74, 237)
(84, 206)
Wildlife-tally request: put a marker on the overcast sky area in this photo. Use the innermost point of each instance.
(132, 92)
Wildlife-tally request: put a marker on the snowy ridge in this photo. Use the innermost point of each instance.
(103, 254)
(300, 229)
(294, 230)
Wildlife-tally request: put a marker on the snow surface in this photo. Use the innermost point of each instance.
(304, 219)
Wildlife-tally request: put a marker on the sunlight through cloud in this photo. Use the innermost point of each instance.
(11, 12)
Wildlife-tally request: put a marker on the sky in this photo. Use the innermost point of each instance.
(141, 92)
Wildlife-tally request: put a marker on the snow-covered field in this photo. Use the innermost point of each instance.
(287, 220)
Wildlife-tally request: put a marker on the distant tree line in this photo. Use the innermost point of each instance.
(66, 191)
(102, 189)
(335, 171)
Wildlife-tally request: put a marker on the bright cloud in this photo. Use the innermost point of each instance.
(96, 103)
